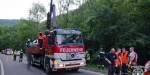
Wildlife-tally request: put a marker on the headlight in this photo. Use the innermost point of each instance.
(82, 63)
(60, 65)
(55, 63)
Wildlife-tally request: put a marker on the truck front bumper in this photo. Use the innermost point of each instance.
(69, 64)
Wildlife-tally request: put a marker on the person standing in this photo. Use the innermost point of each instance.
(132, 59)
(87, 58)
(101, 59)
(111, 58)
(118, 62)
(124, 57)
(15, 53)
(21, 56)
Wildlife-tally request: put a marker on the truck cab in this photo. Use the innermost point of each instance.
(67, 49)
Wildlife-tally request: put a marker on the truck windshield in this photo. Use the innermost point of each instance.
(9, 49)
(66, 39)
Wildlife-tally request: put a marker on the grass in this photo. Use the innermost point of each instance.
(95, 69)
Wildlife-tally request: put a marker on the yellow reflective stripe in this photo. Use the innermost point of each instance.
(102, 52)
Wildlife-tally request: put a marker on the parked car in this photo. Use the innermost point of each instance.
(8, 51)
(3, 52)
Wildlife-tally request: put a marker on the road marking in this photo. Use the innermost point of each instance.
(92, 72)
(2, 69)
(24, 62)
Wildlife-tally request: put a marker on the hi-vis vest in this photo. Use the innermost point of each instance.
(101, 55)
(119, 62)
(40, 37)
(15, 52)
(124, 57)
(88, 57)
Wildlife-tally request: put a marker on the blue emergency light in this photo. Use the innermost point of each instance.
(76, 29)
(57, 27)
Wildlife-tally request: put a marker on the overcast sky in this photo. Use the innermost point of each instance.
(16, 9)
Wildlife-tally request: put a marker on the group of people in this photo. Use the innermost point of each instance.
(20, 55)
(118, 60)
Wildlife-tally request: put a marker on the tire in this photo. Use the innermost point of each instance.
(76, 69)
(48, 70)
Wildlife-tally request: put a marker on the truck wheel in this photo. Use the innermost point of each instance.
(48, 70)
(75, 69)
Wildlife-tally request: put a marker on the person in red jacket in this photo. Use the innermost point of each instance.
(40, 39)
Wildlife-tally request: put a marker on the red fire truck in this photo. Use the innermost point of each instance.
(61, 49)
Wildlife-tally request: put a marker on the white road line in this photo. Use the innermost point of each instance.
(24, 62)
(92, 72)
(2, 69)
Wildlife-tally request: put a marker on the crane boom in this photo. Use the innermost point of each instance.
(49, 16)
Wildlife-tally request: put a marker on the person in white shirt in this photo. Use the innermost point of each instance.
(133, 57)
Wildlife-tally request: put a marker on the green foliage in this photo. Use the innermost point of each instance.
(16, 36)
(117, 23)
(1, 31)
(37, 12)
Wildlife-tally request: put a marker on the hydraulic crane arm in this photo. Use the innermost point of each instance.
(49, 16)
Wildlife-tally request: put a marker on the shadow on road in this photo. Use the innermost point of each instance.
(65, 72)
(60, 72)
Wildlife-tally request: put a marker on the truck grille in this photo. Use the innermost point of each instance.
(72, 64)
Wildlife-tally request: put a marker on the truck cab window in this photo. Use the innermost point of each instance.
(62, 39)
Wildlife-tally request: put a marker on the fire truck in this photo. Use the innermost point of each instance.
(61, 48)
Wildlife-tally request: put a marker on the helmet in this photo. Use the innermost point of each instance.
(87, 52)
(28, 39)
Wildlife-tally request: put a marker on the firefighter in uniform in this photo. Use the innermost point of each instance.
(21, 56)
(28, 43)
(101, 59)
(40, 39)
(87, 57)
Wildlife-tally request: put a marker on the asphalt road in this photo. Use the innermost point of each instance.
(11, 67)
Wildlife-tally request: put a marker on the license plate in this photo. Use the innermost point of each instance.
(72, 62)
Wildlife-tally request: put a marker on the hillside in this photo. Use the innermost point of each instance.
(9, 22)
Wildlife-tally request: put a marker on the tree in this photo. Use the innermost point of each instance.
(0, 31)
(37, 12)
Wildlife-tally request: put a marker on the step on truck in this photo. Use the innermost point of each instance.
(61, 48)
